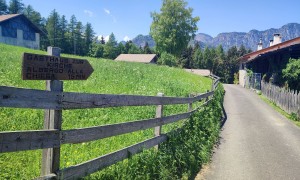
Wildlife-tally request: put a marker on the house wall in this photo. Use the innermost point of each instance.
(242, 77)
(19, 40)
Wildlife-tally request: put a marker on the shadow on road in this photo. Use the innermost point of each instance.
(224, 117)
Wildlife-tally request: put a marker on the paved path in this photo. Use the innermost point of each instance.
(256, 141)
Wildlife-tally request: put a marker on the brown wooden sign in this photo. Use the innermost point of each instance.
(44, 67)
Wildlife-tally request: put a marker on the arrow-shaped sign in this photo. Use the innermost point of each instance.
(43, 67)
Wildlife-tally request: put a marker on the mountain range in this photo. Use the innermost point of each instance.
(227, 40)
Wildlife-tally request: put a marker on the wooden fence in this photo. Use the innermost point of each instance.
(52, 137)
(288, 100)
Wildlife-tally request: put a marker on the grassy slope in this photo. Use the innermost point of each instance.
(109, 77)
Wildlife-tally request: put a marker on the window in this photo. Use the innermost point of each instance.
(28, 35)
(8, 30)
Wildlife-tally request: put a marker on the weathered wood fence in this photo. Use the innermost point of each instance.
(52, 137)
(288, 100)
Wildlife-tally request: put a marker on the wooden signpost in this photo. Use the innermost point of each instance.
(53, 68)
(45, 67)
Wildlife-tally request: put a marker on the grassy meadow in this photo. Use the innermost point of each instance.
(109, 77)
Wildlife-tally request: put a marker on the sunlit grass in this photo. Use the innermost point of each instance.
(109, 77)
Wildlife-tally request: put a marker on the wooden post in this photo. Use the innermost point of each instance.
(207, 99)
(52, 120)
(190, 105)
(159, 113)
(213, 82)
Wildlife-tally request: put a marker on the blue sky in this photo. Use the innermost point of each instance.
(128, 18)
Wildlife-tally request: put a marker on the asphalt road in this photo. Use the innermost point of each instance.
(256, 141)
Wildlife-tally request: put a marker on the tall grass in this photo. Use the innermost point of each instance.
(109, 77)
(181, 157)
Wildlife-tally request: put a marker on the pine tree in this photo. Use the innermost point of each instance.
(53, 28)
(33, 15)
(102, 40)
(146, 49)
(110, 48)
(89, 35)
(127, 46)
(186, 58)
(242, 51)
(219, 61)
(198, 59)
(3, 7)
(231, 64)
(15, 7)
(121, 48)
(72, 39)
(63, 35)
(96, 50)
(44, 38)
(207, 64)
(79, 40)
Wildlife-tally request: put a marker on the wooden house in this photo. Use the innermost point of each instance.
(270, 60)
(18, 30)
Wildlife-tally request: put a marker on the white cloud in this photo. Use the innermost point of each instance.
(126, 38)
(106, 38)
(109, 13)
(106, 11)
(89, 13)
(99, 37)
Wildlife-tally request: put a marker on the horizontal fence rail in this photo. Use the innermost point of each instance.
(94, 165)
(28, 140)
(29, 98)
(40, 99)
(48, 139)
(31, 140)
(94, 133)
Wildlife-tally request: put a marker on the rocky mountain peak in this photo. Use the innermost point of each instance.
(229, 39)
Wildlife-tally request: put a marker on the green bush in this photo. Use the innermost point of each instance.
(236, 78)
(167, 59)
(295, 117)
(292, 74)
(181, 157)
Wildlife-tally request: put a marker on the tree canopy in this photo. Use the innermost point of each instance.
(15, 7)
(3, 7)
(292, 74)
(173, 27)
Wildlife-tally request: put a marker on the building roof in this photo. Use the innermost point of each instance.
(143, 58)
(7, 17)
(201, 72)
(272, 49)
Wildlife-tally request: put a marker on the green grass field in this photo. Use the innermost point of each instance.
(109, 77)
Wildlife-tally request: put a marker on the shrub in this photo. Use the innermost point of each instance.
(292, 74)
(167, 59)
(236, 78)
(186, 150)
